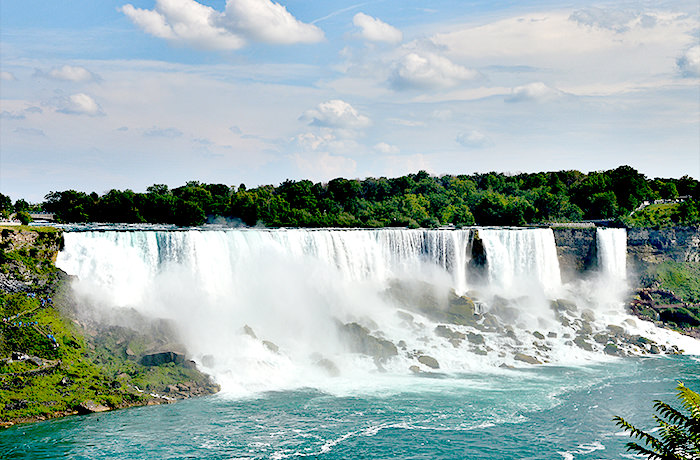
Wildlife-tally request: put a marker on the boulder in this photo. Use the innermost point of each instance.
(538, 335)
(90, 407)
(328, 366)
(526, 358)
(429, 361)
(359, 340)
(477, 339)
(581, 342)
(163, 357)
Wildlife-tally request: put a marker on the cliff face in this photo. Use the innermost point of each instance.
(650, 246)
(576, 250)
(26, 258)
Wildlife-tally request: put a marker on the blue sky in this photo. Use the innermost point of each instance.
(101, 95)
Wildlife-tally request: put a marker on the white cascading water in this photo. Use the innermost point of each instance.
(293, 288)
(612, 252)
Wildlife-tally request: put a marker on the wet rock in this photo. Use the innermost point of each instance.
(526, 358)
(588, 315)
(415, 369)
(329, 366)
(653, 349)
(552, 335)
(563, 305)
(480, 351)
(601, 338)
(271, 346)
(247, 330)
(506, 366)
(580, 341)
(477, 339)
(402, 344)
(616, 330)
(446, 332)
(585, 328)
(90, 407)
(538, 335)
(359, 340)
(429, 361)
(611, 349)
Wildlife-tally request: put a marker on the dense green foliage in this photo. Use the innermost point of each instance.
(679, 432)
(414, 200)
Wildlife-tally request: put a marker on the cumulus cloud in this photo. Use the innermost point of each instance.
(536, 91)
(67, 73)
(383, 147)
(163, 132)
(191, 23)
(473, 139)
(268, 22)
(335, 114)
(7, 76)
(375, 30)
(78, 104)
(428, 71)
(689, 63)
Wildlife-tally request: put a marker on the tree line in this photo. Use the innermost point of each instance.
(413, 200)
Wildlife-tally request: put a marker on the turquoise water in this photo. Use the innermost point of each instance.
(540, 413)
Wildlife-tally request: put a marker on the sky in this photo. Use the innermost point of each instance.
(96, 95)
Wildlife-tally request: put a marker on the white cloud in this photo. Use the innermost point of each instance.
(7, 76)
(428, 71)
(185, 21)
(537, 91)
(163, 132)
(689, 63)
(375, 30)
(192, 23)
(336, 114)
(268, 22)
(383, 147)
(474, 139)
(34, 132)
(78, 104)
(68, 73)
(11, 115)
(324, 166)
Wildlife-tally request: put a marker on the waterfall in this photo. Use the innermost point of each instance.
(612, 252)
(271, 309)
(519, 258)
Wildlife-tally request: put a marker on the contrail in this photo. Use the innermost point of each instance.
(343, 10)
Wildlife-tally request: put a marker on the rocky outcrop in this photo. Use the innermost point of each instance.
(576, 250)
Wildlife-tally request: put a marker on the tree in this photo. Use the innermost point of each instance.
(679, 437)
(24, 217)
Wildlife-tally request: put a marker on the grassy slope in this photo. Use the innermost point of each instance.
(81, 367)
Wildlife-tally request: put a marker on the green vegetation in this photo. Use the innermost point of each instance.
(414, 200)
(679, 432)
(49, 366)
(665, 215)
(681, 278)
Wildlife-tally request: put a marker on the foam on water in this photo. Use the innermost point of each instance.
(294, 290)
